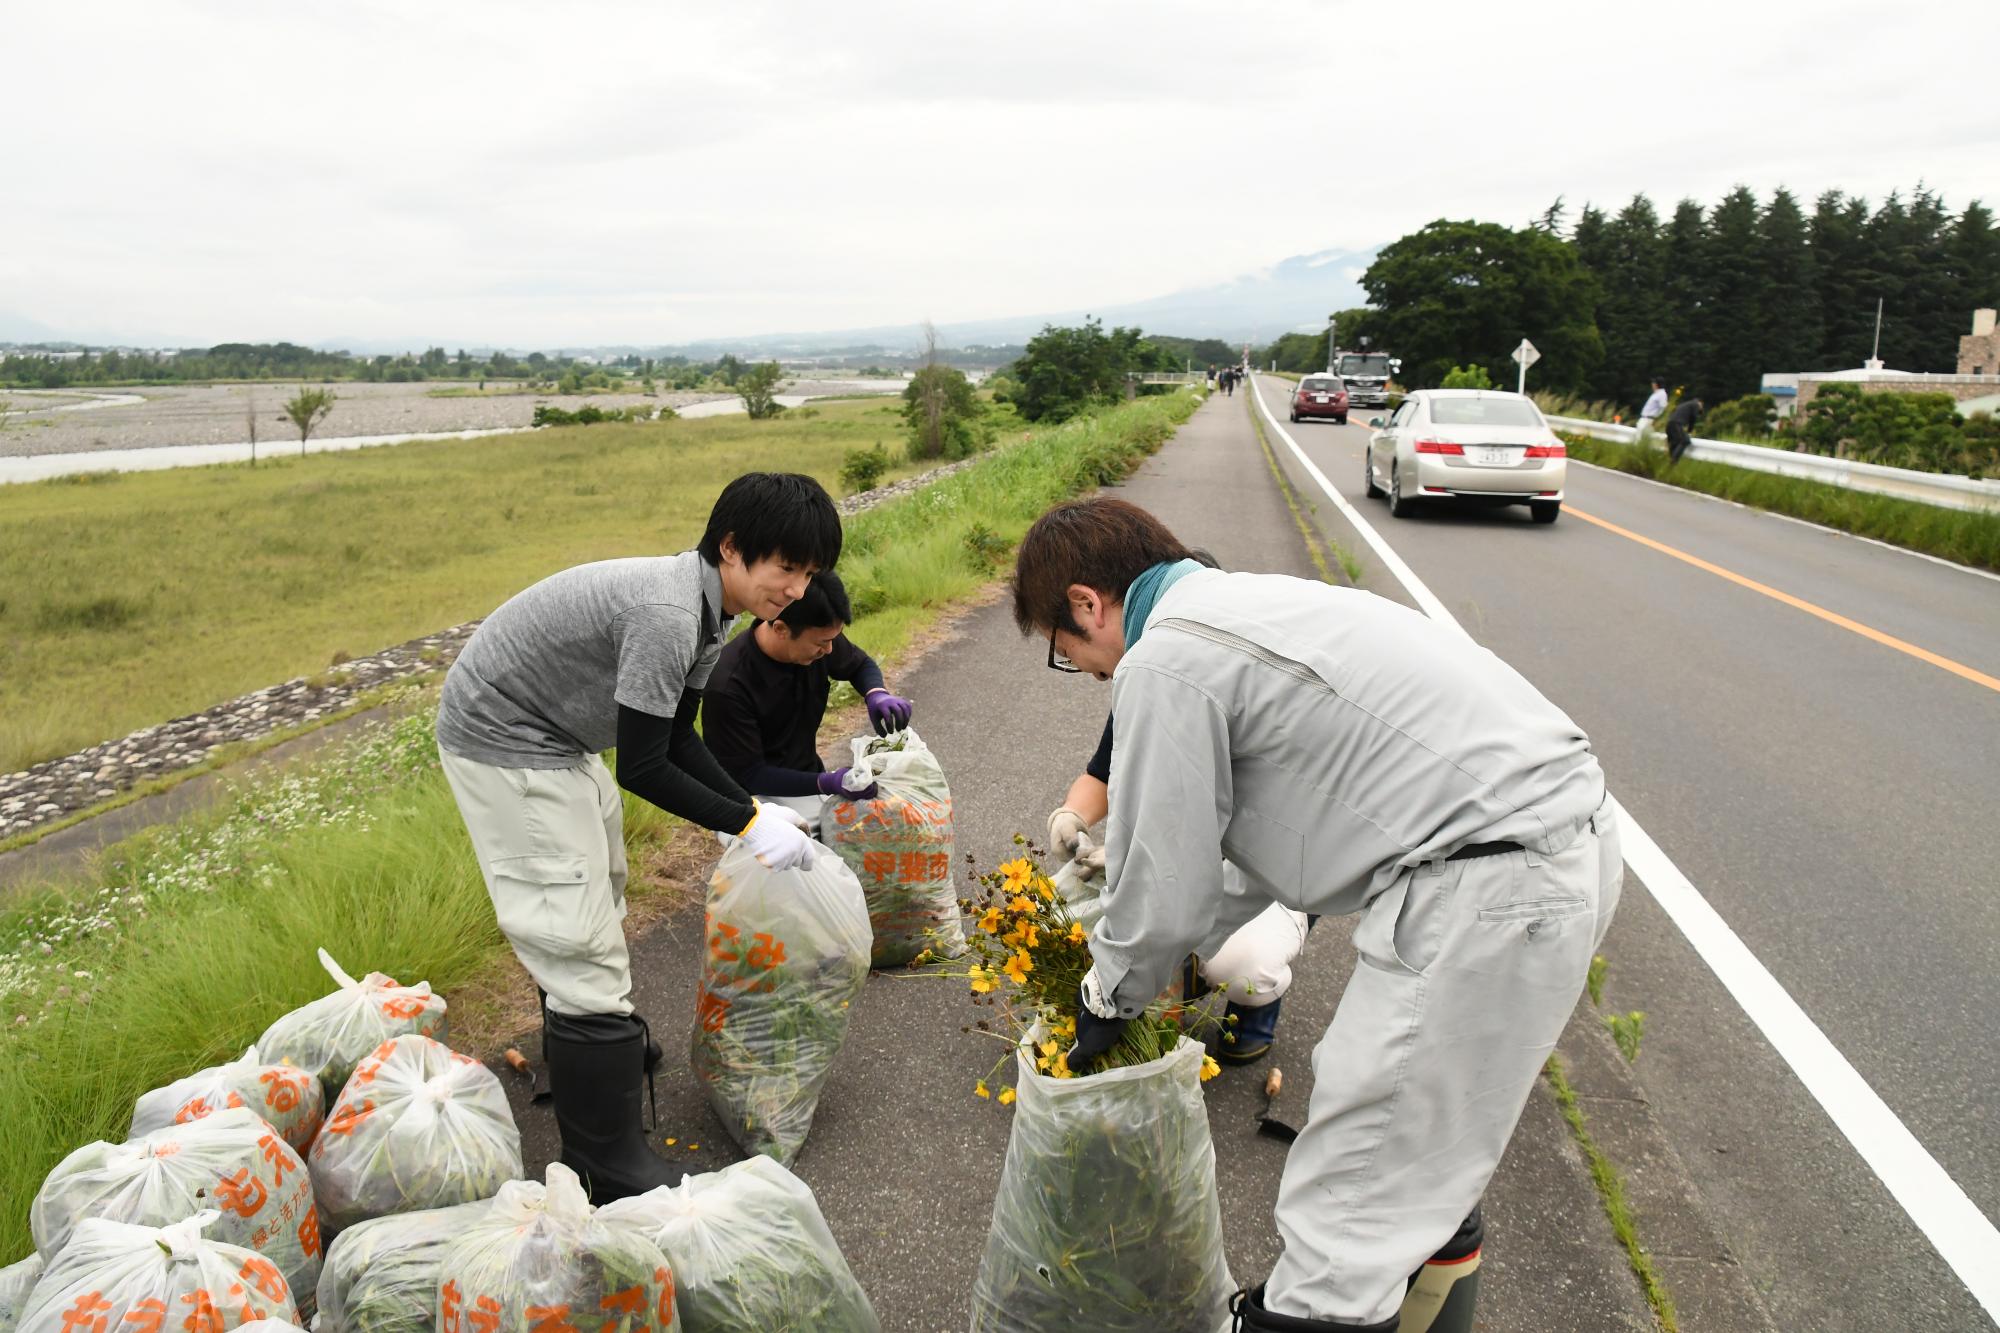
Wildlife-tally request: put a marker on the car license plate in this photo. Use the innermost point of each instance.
(1492, 455)
(1319, 398)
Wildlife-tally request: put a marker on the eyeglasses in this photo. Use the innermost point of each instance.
(1057, 662)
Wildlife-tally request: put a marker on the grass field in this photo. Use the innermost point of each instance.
(187, 941)
(1953, 534)
(128, 599)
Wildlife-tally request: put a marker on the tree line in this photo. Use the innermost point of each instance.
(1707, 298)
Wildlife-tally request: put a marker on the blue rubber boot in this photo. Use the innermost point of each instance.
(1254, 1030)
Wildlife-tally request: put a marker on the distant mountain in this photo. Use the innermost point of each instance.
(1294, 294)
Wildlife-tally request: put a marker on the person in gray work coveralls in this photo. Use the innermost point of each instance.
(614, 653)
(1348, 756)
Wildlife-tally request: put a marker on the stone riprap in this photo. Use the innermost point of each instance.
(50, 790)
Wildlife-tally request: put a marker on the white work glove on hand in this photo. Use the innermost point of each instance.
(776, 836)
(1066, 830)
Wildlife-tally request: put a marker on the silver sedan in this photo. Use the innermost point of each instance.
(1467, 446)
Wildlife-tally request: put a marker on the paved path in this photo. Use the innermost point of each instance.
(905, 1160)
(1830, 795)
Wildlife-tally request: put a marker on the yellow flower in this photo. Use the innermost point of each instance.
(1209, 1069)
(1052, 1054)
(1022, 905)
(1018, 873)
(1006, 1096)
(1064, 1027)
(1019, 966)
(1045, 888)
(989, 921)
(1030, 934)
(1077, 934)
(980, 1089)
(982, 979)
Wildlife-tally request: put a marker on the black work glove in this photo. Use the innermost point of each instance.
(1094, 1037)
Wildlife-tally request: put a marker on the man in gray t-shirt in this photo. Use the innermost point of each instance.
(614, 654)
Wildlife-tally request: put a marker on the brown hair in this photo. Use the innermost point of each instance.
(1100, 542)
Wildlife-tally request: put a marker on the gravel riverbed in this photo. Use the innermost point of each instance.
(220, 413)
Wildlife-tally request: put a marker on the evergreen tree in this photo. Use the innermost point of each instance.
(1788, 327)
(1846, 305)
(1634, 278)
(1682, 348)
(1973, 257)
(1735, 291)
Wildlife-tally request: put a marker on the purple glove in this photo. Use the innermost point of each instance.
(830, 785)
(889, 712)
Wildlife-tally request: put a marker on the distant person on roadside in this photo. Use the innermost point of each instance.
(614, 653)
(1656, 403)
(763, 707)
(1678, 438)
(1347, 755)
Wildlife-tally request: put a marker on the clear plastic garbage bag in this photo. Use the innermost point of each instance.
(749, 1250)
(231, 1161)
(417, 1126)
(381, 1276)
(787, 955)
(16, 1281)
(118, 1277)
(336, 1032)
(542, 1259)
(288, 1098)
(900, 847)
(1107, 1216)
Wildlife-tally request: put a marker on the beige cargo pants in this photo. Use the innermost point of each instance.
(551, 844)
(1465, 975)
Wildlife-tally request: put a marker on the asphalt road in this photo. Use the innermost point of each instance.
(905, 1161)
(1830, 795)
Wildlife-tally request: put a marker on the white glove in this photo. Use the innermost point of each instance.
(1066, 830)
(776, 836)
(1091, 860)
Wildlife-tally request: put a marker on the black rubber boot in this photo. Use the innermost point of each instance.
(653, 1052)
(1248, 1307)
(597, 1064)
(1445, 1291)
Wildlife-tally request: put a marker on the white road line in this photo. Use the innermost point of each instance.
(1956, 1229)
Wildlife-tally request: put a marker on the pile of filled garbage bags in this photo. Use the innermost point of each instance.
(351, 1173)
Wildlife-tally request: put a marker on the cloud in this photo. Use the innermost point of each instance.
(630, 172)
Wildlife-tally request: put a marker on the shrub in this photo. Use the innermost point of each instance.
(1750, 417)
(863, 468)
(1467, 377)
(942, 413)
(985, 548)
(758, 388)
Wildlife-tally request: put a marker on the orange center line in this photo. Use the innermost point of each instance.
(1832, 618)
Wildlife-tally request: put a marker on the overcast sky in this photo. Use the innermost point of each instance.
(546, 174)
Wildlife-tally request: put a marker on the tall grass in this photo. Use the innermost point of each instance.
(189, 940)
(166, 592)
(1954, 534)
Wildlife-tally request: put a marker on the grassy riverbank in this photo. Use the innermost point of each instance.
(1952, 534)
(127, 599)
(190, 939)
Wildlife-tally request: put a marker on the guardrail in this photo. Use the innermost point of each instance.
(1936, 488)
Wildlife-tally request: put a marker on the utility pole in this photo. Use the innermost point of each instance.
(1875, 354)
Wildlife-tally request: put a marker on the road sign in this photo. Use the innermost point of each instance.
(1527, 356)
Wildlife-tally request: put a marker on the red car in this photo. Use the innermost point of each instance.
(1321, 396)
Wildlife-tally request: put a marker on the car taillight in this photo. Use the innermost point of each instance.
(1439, 447)
(1547, 451)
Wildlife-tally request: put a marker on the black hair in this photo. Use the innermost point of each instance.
(783, 512)
(823, 603)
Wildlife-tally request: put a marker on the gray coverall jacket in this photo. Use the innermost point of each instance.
(1324, 740)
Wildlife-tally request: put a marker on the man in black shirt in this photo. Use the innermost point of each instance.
(764, 704)
(1678, 438)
